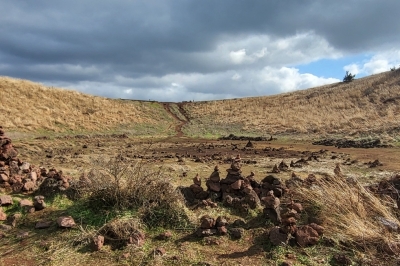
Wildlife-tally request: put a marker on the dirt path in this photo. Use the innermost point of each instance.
(181, 122)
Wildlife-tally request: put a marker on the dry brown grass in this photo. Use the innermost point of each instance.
(351, 214)
(28, 106)
(369, 104)
(363, 106)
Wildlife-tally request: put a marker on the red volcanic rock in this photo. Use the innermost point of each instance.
(306, 236)
(97, 243)
(65, 222)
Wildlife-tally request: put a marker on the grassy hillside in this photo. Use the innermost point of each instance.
(27, 106)
(369, 105)
(366, 105)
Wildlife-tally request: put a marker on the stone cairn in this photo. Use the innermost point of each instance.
(286, 228)
(243, 193)
(22, 177)
(210, 226)
(17, 176)
(235, 190)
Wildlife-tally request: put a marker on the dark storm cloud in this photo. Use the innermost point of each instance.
(150, 45)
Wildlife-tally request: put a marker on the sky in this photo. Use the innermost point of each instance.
(184, 50)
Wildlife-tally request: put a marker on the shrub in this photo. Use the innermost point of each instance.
(348, 77)
(120, 184)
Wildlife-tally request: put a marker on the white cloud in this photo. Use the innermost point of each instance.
(289, 79)
(378, 63)
(238, 57)
(253, 65)
(353, 69)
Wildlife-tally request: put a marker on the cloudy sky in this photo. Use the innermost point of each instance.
(175, 50)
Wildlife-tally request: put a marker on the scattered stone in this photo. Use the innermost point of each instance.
(277, 237)
(222, 230)
(296, 206)
(338, 171)
(374, 164)
(236, 233)
(97, 243)
(346, 143)
(283, 166)
(39, 203)
(207, 222)
(197, 180)
(22, 234)
(65, 222)
(205, 232)
(221, 221)
(164, 236)
(43, 224)
(25, 203)
(28, 186)
(249, 144)
(275, 169)
(320, 230)
(306, 236)
(4, 177)
(390, 225)
(6, 200)
(3, 216)
(211, 241)
(160, 251)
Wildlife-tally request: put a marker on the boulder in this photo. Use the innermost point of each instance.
(65, 222)
(164, 236)
(25, 203)
(4, 177)
(43, 224)
(278, 238)
(207, 222)
(306, 236)
(28, 186)
(3, 216)
(97, 243)
(39, 203)
(236, 232)
(221, 221)
(5, 200)
(160, 251)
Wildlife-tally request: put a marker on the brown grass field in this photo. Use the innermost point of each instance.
(77, 133)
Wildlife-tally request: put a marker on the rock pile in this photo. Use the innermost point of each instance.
(346, 143)
(17, 176)
(233, 137)
(210, 226)
(235, 190)
(288, 230)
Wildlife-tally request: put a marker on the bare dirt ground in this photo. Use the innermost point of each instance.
(74, 155)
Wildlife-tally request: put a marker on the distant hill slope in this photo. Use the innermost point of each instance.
(366, 105)
(363, 106)
(28, 106)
